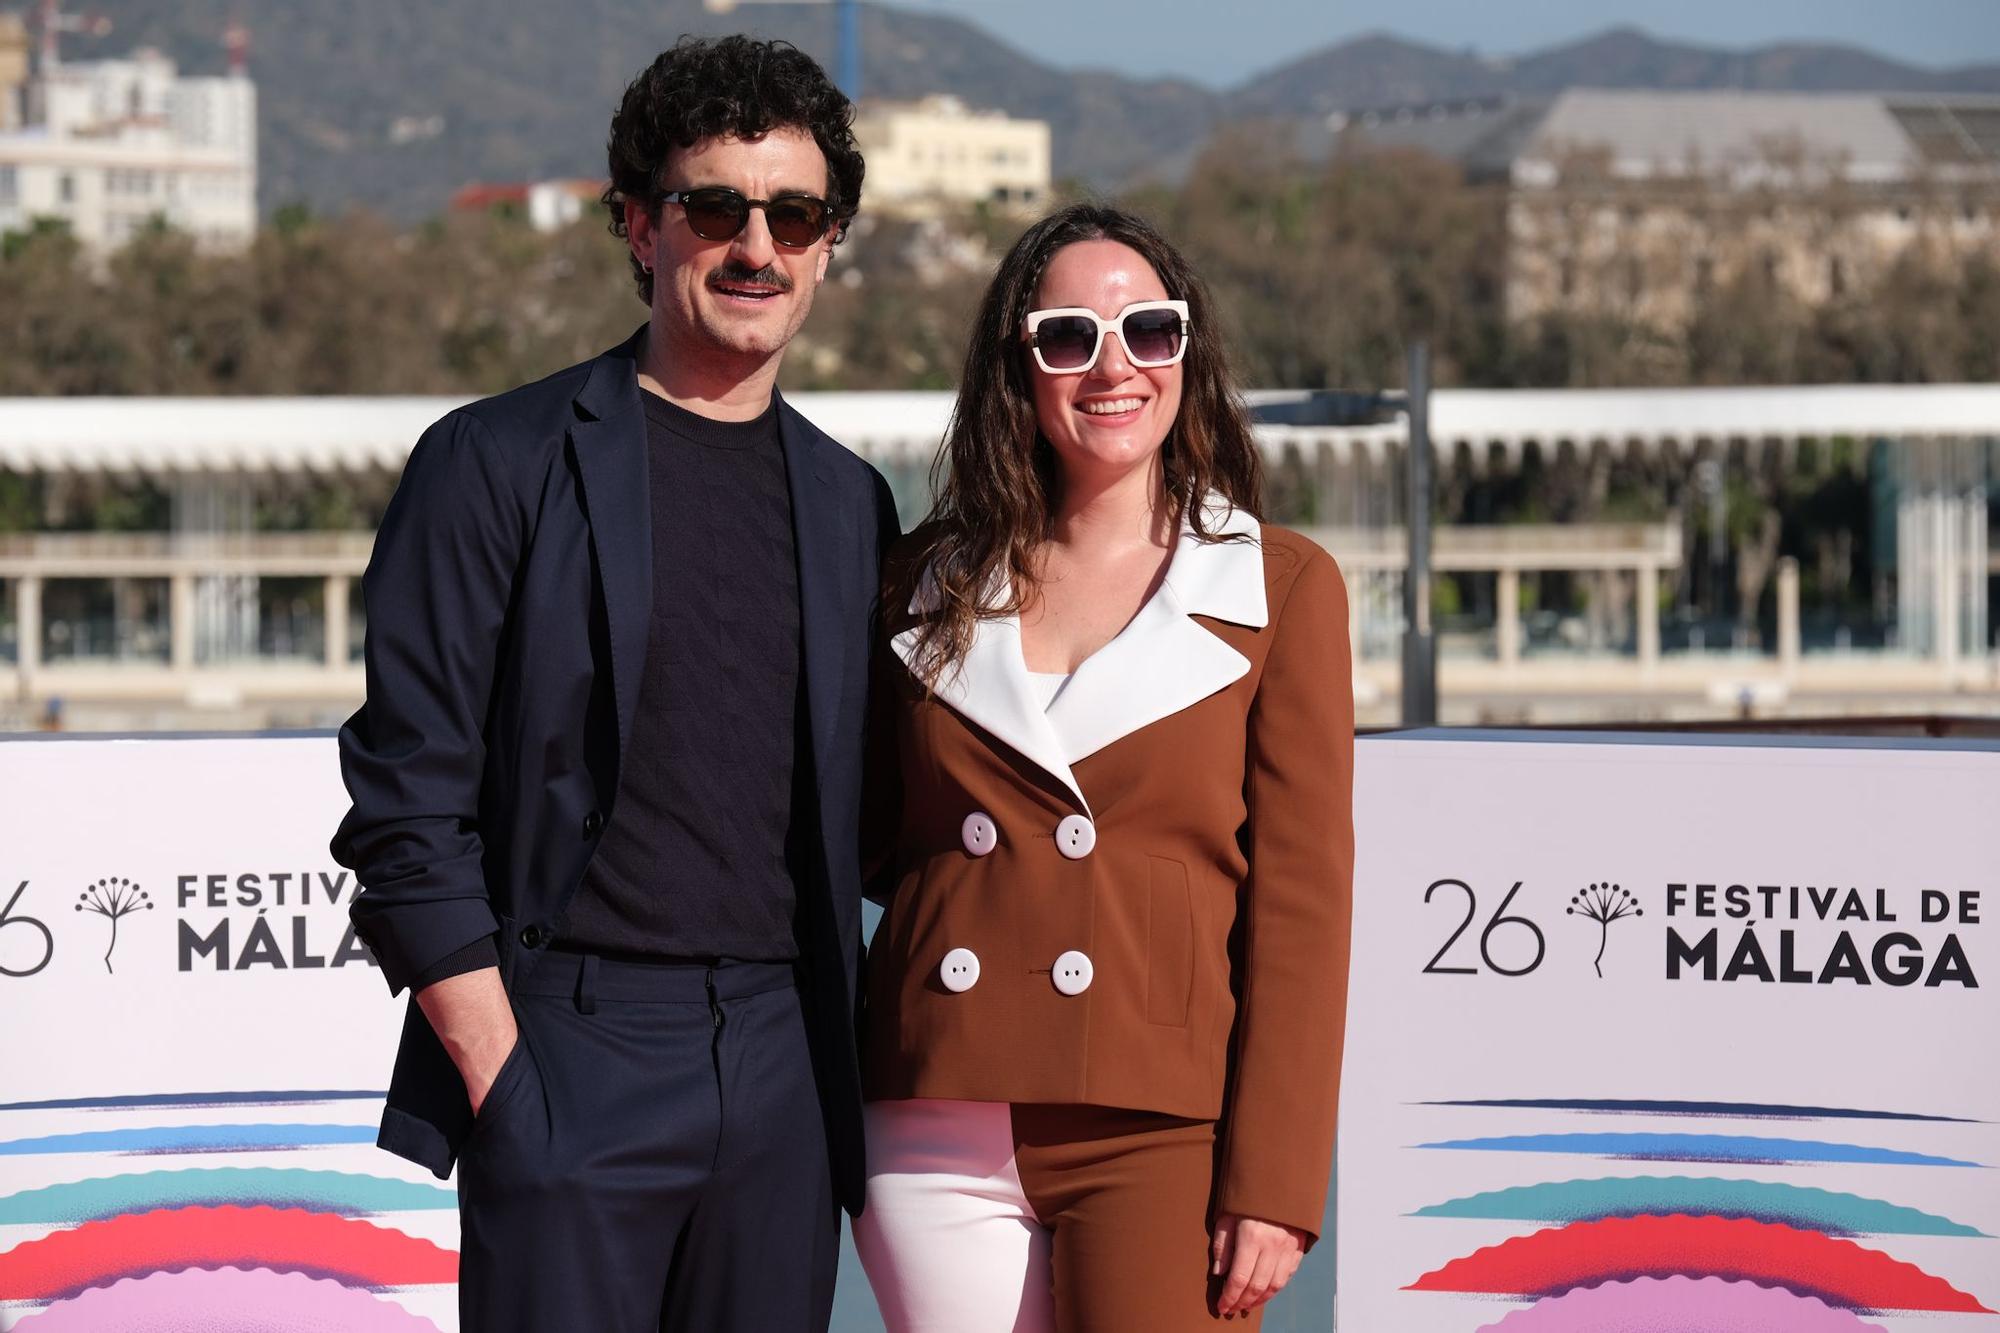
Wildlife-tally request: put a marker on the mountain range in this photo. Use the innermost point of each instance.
(392, 105)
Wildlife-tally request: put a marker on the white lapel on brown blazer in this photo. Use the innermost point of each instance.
(1164, 661)
(1161, 662)
(991, 688)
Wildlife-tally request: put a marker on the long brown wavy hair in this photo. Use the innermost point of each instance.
(995, 477)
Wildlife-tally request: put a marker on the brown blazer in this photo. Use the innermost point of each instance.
(1140, 898)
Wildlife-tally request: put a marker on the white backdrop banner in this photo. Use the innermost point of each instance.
(1696, 1031)
(1678, 1036)
(193, 1050)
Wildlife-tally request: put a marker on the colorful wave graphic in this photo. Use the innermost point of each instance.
(1711, 1110)
(1699, 1148)
(346, 1193)
(354, 1252)
(191, 1138)
(1549, 1263)
(1682, 1305)
(1798, 1206)
(225, 1300)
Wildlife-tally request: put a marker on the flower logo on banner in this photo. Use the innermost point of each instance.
(113, 899)
(1603, 903)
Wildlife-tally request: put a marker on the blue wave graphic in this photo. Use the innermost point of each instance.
(1738, 1110)
(191, 1138)
(1698, 1148)
(193, 1099)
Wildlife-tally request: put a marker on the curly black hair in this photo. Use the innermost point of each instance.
(737, 85)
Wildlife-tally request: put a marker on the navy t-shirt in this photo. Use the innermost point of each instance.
(696, 856)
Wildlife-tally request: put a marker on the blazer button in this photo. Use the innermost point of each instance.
(1076, 837)
(960, 970)
(1073, 972)
(978, 833)
(533, 936)
(593, 824)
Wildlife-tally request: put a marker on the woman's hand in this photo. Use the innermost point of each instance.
(1259, 1258)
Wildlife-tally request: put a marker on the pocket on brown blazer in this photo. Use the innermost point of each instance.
(1169, 943)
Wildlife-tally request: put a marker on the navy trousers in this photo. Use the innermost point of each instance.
(650, 1157)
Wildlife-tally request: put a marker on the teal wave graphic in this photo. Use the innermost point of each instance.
(1803, 1207)
(342, 1192)
(1699, 1148)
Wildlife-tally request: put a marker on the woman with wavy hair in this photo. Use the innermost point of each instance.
(1112, 755)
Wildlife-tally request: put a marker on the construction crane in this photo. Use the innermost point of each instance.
(847, 19)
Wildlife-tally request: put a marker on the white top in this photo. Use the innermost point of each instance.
(1047, 685)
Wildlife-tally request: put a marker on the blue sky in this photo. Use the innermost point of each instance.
(1220, 42)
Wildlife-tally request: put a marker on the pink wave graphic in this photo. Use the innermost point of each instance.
(225, 1300)
(1681, 1305)
(100, 1252)
(1550, 1262)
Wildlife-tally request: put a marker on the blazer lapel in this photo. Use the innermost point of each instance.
(991, 688)
(1164, 661)
(609, 439)
(822, 533)
(1160, 663)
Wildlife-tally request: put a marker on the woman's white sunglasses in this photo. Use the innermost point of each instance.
(1068, 341)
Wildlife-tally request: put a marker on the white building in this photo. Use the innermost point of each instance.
(1633, 202)
(549, 205)
(922, 153)
(110, 145)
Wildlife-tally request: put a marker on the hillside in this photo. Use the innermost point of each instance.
(391, 105)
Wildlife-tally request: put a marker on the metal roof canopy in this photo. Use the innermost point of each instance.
(180, 437)
(1655, 420)
(1673, 132)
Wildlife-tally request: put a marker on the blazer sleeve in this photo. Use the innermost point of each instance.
(1279, 1123)
(437, 590)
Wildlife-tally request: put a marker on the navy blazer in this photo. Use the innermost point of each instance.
(509, 598)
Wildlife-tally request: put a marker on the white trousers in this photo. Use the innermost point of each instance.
(949, 1240)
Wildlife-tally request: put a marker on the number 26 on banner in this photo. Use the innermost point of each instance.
(1495, 925)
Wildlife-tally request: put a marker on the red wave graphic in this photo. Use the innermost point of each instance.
(347, 1249)
(1840, 1272)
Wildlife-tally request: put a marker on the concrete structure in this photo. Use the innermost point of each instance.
(108, 146)
(1634, 204)
(922, 154)
(217, 623)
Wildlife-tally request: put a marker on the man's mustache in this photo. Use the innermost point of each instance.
(733, 274)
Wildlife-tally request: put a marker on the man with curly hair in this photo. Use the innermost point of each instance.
(607, 780)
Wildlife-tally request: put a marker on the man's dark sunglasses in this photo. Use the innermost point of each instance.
(718, 214)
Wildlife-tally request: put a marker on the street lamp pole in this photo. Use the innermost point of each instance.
(1338, 408)
(1420, 696)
